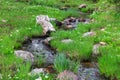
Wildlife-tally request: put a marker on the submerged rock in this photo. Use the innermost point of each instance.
(89, 74)
(27, 56)
(71, 22)
(67, 75)
(39, 48)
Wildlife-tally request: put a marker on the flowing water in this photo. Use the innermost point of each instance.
(38, 47)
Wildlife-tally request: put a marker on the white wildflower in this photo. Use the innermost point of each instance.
(29, 28)
(17, 30)
(39, 78)
(46, 76)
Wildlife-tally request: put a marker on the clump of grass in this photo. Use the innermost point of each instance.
(109, 62)
(61, 63)
(13, 68)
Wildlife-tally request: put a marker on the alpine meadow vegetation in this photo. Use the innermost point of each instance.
(18, 23)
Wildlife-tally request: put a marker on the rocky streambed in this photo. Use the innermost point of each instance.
(38, 47)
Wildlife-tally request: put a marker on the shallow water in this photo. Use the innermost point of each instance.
(38, 48)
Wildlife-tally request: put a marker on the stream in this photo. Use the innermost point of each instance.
(38, 47)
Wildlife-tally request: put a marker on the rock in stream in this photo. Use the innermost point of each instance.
(89, 71)
(38, 48)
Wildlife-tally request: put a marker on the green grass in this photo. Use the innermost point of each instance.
(61, 63)
(20, 16)
(109, 62)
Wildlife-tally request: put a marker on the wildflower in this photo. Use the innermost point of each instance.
(17, 30)
(10, 35)
(29, 28)
(39, 78)
(46, 76)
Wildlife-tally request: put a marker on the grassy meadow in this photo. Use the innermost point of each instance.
(18, 22)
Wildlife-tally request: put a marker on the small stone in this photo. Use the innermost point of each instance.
(69, 27)
(64, 8)
(4, 21)
(37, 71)
(67, 75)
(103, 29)
(27, 56)
(95, 50)
(89, 34)
(47, 40)
(102, 43)
(67, 41)
(0, 76)
(82, 6)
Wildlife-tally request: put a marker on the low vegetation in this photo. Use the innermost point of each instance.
(17, 23)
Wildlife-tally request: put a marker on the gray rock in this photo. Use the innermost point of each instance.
(44, 21)
(82, 6)
(87, 21)
(37, 71)
(89, 74)
(67, 41)
(67, 75)
(69, 27)
(27, 56)
(46, 55)
(91, 33)
(4, 21)
(95, 50)
(102, 43)
(47, 40)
